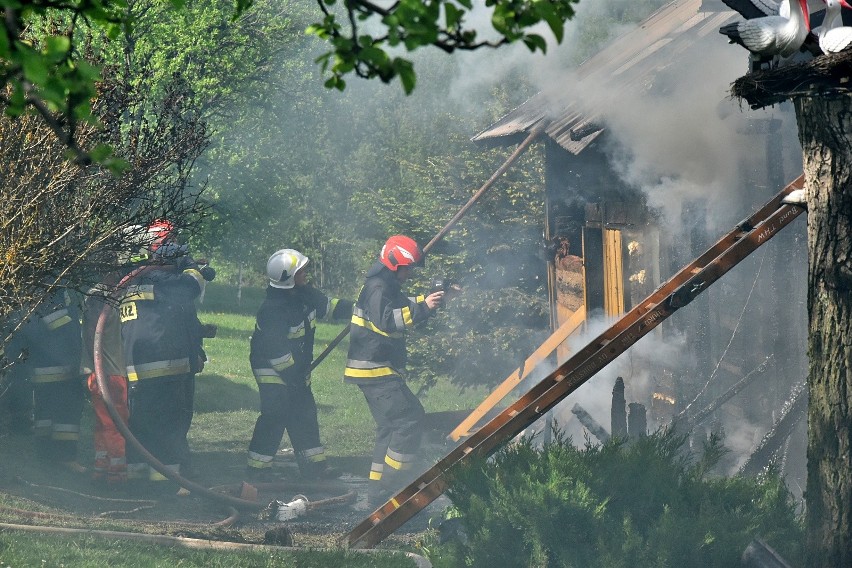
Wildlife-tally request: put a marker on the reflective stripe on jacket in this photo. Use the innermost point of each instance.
(160, 331)
(380, 318)
(282, 344)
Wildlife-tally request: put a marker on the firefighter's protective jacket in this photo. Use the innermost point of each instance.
(111, 355)
(161, 334)
(380, 318)
(282, 345)
(52, 340)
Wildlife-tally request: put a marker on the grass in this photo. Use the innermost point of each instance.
(226, 393)
(97, 552)
(227, 406)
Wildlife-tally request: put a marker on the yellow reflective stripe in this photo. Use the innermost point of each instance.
(259, 461)
(376, 475)
(158, 369)
(367, 324)
(53, 374)
(369, 373)
(197, 275)
(332, 305)
(419, 299)
(393, 463)
(267, 377)
(139, 292)
(57, 319)
(394, 502)
(361, 322)
(155, 475)
(398, 460)
(65, 436)
(296, 331)
(406, 316)
(281, 363)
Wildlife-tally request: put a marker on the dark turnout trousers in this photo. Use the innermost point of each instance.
(398, 415)
(290, 408)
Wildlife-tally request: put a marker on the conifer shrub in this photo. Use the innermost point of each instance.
(643, 503)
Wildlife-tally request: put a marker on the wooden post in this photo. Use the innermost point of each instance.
(637, 422)
(618, 412)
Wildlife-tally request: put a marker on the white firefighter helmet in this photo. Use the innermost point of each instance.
(281, 268)
(134, 241)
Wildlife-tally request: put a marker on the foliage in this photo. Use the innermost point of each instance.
(642, 503)
(46, 71)
(63, 224)
(364, 43)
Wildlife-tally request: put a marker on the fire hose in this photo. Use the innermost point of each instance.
(534, 133)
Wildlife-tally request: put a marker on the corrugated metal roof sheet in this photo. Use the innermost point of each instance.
(634, 57)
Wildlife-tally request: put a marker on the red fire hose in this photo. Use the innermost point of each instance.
(125, 431)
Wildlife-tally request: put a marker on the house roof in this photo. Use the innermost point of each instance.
(632, 59)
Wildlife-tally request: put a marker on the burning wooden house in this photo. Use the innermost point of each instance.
(613, 241)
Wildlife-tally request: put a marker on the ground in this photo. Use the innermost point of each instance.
(32, 493)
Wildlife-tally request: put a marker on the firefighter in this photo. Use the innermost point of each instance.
(161, 344)
(377, 357)
(282, 348)
(110, 459)
(50, 342)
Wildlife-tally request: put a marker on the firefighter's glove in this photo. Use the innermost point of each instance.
(208, 273)
(434, 300)
(208, 330)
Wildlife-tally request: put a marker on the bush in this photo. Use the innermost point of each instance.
(618, 505)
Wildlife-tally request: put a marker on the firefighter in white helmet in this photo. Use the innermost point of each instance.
(282, 348)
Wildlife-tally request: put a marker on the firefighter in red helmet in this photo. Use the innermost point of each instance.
(162, 349)
(377, 357)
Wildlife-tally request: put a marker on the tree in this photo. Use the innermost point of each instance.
(48, 72)
(825, 126)
(371, 31)
(45, 67)
(824, 117)
(63, 225)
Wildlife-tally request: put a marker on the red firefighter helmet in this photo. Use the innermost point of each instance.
(400, 250)
(159, 232)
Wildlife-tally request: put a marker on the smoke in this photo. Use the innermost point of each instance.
(641, 367)
(479, 71)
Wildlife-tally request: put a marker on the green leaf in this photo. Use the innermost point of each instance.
(452, 16)
(101, 152)
(57, 47)
(405, 70)
(535, 41)
(35, 66)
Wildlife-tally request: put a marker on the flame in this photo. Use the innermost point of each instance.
(663, 397)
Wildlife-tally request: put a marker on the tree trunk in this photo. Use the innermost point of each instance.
(825, 130)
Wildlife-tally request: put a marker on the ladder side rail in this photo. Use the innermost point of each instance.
(530, 364)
